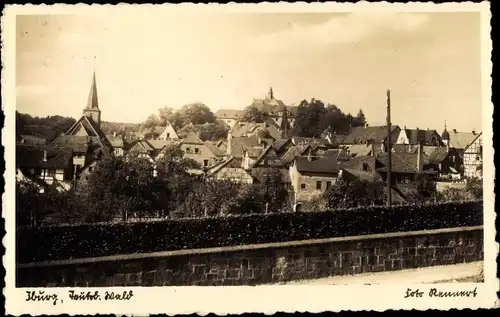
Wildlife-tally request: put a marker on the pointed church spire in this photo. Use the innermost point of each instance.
(92, 102)
(270, 94)
(92, 110)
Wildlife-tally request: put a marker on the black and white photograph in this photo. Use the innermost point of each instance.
(159, 147)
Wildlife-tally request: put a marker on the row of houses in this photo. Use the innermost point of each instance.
(309, 165)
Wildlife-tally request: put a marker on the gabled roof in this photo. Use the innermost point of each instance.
(365, 134)
(91, 128)
(293, 152)
(228, 113)
(429, 137)
(240, 144)
(212, 146)
(192, 138)
(268, 152)
(160, 144)
(79, 144)
(280, 143)
(401, 163)
(462, 140)
(438, 155)
(325, 164)
(33, 157)
(231, 162)
(115, 141)
(254, 151)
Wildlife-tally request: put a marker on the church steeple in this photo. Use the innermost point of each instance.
(92, 110)
(270, 95)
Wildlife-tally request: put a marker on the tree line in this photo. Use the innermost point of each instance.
(48, 127)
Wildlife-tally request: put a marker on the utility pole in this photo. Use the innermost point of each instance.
(389, 150)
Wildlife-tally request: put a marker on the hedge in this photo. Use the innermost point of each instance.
(93, 240)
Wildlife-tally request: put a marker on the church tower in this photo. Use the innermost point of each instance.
(445, 136)
(92, 110)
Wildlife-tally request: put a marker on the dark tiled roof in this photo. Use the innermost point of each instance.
(438, 155)
(326, 164)
(239, 144)
(401, 163)
(293, 152)
(364, 134)
(428, 137)
(79, 144)
(32, 157)
(115, 141)
(280, 143)
(213, 147)
(461, 140)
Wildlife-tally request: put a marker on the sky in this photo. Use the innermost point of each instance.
(143, 62)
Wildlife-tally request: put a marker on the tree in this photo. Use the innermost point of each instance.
(425, 190)
(344, 194)
(475, 187)
(253, 114)
(151, 121)
(206, 132)
(359, 120)
(197, 113)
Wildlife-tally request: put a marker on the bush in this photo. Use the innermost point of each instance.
(92, 240)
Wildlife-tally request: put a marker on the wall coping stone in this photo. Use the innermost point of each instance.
(245, 247)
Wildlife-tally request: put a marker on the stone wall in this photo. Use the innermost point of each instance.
(263, 263)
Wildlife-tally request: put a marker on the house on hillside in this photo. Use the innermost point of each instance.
(275, 109)
(366, 134)
(418, 136)
(194, 148)
(117, 143)
(310, 175)
(268, 159)
(229, 116)
(168, 133)
(473, 158)
(45, 166)
(303, 140)
(230, 169)
(447, 161)
(470, 148)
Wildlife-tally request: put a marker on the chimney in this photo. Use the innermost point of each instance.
(454, 130)
(114, 134)
(373, 148)
(420, 158)
(366, 125)
(474, 132)
(44, 155)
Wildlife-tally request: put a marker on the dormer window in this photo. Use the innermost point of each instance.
(365, 166)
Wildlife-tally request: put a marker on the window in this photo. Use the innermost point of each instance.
(318, 185)
(117, 151)
(302, 186)
(168, 135)
(365, 166)
(478, 157)
(328, 185)
(205, 163)
(188, 150)
(196, 150)
(481, 150)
